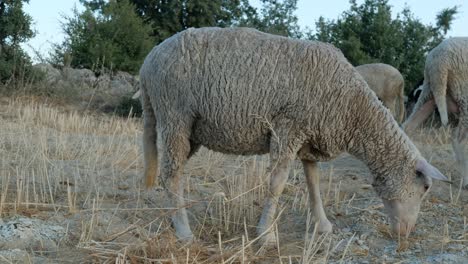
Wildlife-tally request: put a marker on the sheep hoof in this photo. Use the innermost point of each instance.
(269, 240)
(186, 239)
(324, 226)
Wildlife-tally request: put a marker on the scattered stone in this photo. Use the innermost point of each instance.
(14, 256)
(26, 233)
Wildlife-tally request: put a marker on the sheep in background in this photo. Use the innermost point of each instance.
(244, 92)
(389, 85)
(446, 86)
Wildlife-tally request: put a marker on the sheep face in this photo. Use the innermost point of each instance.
(403, 212)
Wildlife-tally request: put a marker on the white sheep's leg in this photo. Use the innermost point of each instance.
(421, 110)
(279, 176)
(281, 156)
(313, 184)
(459, 135)
(419, 116)
(176, 152)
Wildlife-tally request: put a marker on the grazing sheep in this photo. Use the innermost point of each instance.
(241, 91)
(388, 84)
(446, 86)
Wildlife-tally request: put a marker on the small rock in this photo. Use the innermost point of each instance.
(25, 233)
(14, 256)
(360, 242)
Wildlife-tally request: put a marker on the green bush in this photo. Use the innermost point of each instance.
(15, 28)
(368, 33)
(113, 38)
(129, 107)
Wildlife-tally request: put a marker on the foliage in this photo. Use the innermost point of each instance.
(129, 107)
(118, 34)
(111, 37)
(367, 33)
(15, 28)
(276, 17)
(172, 16)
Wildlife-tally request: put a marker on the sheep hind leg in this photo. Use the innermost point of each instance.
(313, 184)
(279, 176)
(282, 154)
(419, 116)
(177, 149)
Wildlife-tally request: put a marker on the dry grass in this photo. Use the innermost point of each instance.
(83, 172)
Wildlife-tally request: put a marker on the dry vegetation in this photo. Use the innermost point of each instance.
(83, 172)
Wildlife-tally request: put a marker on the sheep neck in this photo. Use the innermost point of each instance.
(384, 148)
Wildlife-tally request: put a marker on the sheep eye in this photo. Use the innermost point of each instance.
(419, 174)
(426, 187)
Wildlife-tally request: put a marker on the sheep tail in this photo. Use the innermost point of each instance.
(150, 147)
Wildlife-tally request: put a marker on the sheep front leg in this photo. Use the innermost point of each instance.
(313, 184)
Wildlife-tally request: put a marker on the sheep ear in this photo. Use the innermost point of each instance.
(430, 171)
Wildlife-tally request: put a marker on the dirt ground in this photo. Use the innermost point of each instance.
(79, 175)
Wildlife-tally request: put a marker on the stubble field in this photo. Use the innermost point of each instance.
(71, 192)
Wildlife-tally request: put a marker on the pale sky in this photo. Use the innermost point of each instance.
(47, 15)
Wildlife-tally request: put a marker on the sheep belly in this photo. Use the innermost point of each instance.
(238, 140)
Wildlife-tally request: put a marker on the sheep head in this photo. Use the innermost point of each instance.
(403, 211)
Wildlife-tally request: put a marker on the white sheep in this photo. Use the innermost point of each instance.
(241, 91)
(446, 86)
(389, 85)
